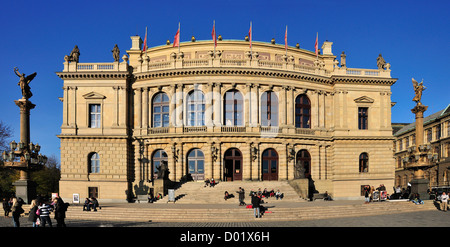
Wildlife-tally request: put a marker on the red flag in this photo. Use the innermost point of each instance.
(176, 41)
(214, 34)
(250, 34)
(285, 40)
(145, 40)
(317, 45)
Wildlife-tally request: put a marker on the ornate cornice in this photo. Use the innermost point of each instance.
(362, 80)
(232, 72)
(93, 75)
(279, 74)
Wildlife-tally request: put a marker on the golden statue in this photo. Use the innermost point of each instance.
(418, 88)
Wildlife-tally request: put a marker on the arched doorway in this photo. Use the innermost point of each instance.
(302, 164)
(159, 156)
(270, 165)
(232, 169)
(196, 164)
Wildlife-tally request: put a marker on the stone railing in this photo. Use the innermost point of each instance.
(179, 63)
(95, 67)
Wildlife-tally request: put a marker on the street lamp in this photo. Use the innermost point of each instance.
(24, 157)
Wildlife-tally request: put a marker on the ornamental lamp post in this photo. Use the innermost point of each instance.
(25, 155)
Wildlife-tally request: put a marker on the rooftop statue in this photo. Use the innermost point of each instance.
(116, 53)
(380, 62)
(23, 83)
(418, 88)
(75, 55)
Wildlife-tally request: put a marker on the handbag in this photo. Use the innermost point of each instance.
(38, 212)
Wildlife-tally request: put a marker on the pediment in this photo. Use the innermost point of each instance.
(94, 95)
(364, 99)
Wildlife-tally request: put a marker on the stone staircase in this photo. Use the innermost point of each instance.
(196, 203)
(197, 193)
(145, 212)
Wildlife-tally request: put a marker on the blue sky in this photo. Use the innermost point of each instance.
(413, 36)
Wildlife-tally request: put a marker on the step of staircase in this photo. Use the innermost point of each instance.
(275, 211)
(198, 193)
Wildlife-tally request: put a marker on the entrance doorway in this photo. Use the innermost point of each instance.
(232, 169)
(196, 164)
(302, 164)
(270, 165)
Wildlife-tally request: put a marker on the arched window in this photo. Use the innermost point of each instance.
(302, 112)
(159, 156)
(233, 108)
(363, 162)
(160, 106)
(269, 109)
(94, 163)
(196, 108)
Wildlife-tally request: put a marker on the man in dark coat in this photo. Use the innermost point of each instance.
(241, 193)
(256, 203)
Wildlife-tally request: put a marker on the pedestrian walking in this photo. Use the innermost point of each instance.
(32, 216)
(6, 207)
(366, 194)
(16, 211)
(60, 211)
(444, 202)
(256, 203)
(241, 193)
(44, 214)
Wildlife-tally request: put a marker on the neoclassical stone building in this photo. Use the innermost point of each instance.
(230, 113)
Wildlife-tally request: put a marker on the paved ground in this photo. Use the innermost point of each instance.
(433, 218)
(393, 228)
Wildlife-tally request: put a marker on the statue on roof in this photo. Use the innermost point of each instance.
(116, 53)
(380, 62)
(23, 83)
(418, 88)
(74, 55)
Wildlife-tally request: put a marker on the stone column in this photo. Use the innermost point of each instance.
(65, 108)
(145, 117)
(25, 188)
(217, 98)
(419, 184)
(116, 107)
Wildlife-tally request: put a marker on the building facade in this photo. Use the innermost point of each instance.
(436, 140)
(230, 113)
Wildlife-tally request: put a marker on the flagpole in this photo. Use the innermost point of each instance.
(179, 37)
(317, 45)
(214, 38)
(251, 34)
(286, 41)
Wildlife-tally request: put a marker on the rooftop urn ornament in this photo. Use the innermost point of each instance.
(23, 83)
(418, 89)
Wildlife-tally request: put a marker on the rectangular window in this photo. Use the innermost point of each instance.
(93, 192)
(363, 118)
(94, 115)
(438, 132)
(429, 135)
